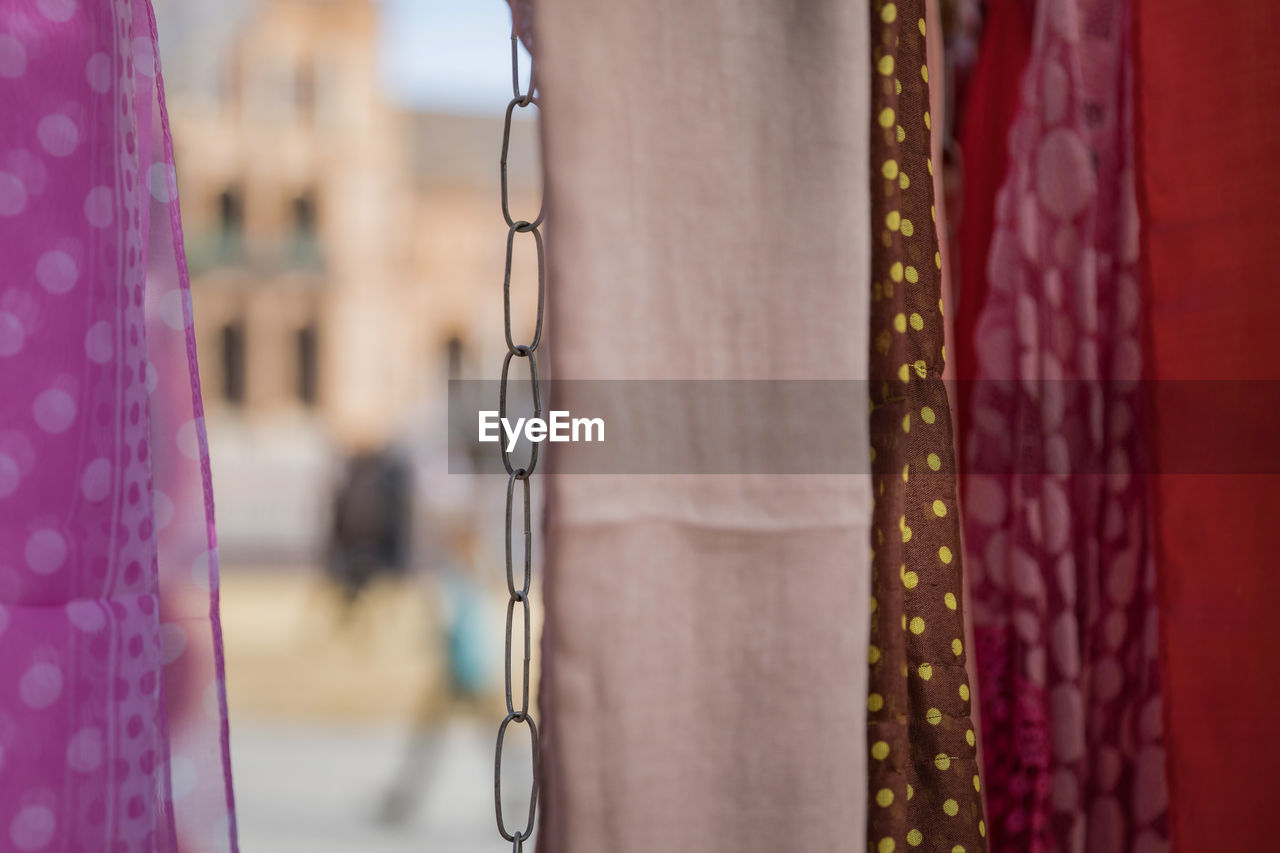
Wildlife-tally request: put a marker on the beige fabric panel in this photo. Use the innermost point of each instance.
(704, 683)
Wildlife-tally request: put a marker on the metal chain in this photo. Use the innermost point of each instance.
(519, 594)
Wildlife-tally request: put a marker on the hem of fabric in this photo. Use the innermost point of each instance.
(206, 475)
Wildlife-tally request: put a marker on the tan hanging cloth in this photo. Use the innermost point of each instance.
(704, 681)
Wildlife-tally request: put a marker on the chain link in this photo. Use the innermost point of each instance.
(528, 352)
(518, 595)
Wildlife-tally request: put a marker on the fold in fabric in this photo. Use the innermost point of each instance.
(924, 784)
(1209, 185)
(1063, 578)
(113, 732)
(704, 686)
(987, 109)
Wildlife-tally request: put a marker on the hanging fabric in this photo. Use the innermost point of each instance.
(987, 106)
(1056, 521)
(113, 725)
(704, 684)
(1207, 82)
(924, 786)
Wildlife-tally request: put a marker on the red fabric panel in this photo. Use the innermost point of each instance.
(1207, 85)
(990, 99)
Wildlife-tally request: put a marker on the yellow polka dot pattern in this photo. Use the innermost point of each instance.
(924, 789)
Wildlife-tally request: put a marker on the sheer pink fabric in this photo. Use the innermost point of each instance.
(522, 21)
(113, 732)
(1063, 583)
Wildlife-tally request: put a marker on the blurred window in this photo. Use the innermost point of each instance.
(231, 211)
(453, 354)
(308, 363)
(305, 245)
(232, 342)
(304, 215)
(230, 224)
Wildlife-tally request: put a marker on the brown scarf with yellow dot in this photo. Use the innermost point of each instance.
(924, 788)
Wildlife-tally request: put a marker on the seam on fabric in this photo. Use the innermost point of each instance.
(206, 476)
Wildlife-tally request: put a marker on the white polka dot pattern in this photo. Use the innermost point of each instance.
(1065, 628)
(105, 511)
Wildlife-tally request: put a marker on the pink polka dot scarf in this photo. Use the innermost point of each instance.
(1056, 522)
(113, 728)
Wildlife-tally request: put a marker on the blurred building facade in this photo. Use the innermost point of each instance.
(346, 254)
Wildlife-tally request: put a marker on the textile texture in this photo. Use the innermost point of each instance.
(924, 784)
(113, 733)
(1210, 200)
(704, 686)
(990, 102)
(1057, 522)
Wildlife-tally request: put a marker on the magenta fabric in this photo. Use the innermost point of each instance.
(113, 731)
(1056, 522)
(522, 21)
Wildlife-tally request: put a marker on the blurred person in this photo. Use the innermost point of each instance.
(370, 528)
(463, 636)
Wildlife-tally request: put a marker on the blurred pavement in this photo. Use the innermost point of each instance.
(311, 789)
(320, 722)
